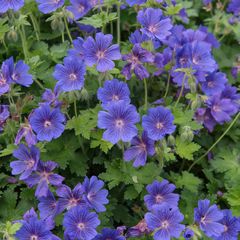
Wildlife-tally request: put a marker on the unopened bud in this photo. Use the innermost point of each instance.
(57, 25)
(171, 140)
(12, 35)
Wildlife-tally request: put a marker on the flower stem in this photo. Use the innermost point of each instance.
(167, 88)
(216, 142)
(39, 84)
(35, 26)
(181, 92)
(75, 108)
(67, 29)
(24, 42)
(118, 23)
(146, 94)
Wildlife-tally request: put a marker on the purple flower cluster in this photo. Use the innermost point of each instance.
(80, 221)
(34, 228)
(215, 223)
(164, 219)
(6, 5)
(11, 73)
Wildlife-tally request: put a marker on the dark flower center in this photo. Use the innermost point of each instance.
(47, 124)
(165, 224)
(72, 76)
(119, 123)
(158, 198)
(159, 125)
(81, 226)
(188, 235)
(100, 54)
(34, 237)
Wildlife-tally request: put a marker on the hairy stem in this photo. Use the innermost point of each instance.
(216, 142)
(146, 94)
(67, 29)
(181, 92)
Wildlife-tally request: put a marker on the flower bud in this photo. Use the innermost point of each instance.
(171, 140)
(57, 25)
(12, 35)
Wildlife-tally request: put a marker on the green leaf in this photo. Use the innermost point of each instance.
(233, 197)
(227, 161)
(99, 20)
(186, 149)
(185, 118)
(61, 150)
(173, 10)
(85, 122)
(105, 146)
(188, 181)
(78, 164)
(130, 193)
(8, 151)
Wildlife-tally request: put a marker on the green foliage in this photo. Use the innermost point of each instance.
(188, 181)
(119, 171)
(97, 141)
(185, 149)
(85, 122)
(99, 20)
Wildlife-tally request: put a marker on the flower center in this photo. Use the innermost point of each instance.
(216, 108)
(15, 76)
(210, 84)
(119, 123)
(2, 80)
(45, 175)
(225, 228)
(81, 226)
(100, 54)
(73, 76)
(158, 198)
(159, 125)
(56, 1)
(165, 224)
(34, 237)
(72, 203)
(152, 28)
(143, 146)
(203, 219)
(134, 60)
(47, 124)
(30, 163)
(81, 8)
(183, 61)
(115, 98)
(196, 60)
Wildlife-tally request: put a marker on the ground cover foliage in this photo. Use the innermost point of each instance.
(119, 119)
